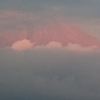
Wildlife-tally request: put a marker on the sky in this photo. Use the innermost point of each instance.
(50, 72)
(16, 14)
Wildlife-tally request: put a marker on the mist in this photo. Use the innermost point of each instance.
(51, 71)
(53, 74)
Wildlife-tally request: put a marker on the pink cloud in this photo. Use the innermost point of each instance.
(76, 47)
(22, 45)
(69, 47)
(54, 44)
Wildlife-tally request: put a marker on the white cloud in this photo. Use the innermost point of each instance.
(26, 44)
(69, 47)
(54, 44)
(77, 47)
(22, 45)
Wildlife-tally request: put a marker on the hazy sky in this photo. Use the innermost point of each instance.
(52, 72)
(84, 13)
(49, 74)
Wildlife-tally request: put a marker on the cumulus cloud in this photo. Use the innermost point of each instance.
(22, 45)
(50, 45)
(54, 44)
(69, 47)
(26, 44)
(77, 47)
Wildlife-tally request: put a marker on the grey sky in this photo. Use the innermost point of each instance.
(87, 7)
(49, 74)
(84, 13)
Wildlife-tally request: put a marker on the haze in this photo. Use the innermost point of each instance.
(39, 60)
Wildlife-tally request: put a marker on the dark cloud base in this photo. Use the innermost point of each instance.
(49, 74)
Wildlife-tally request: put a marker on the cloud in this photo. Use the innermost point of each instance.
(54, 74)
(54, 44)
(50, 72)
(26, 44)
(77, 47)
(68, 47)
(22, 45)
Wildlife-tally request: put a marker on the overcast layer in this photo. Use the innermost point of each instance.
(53, 74)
